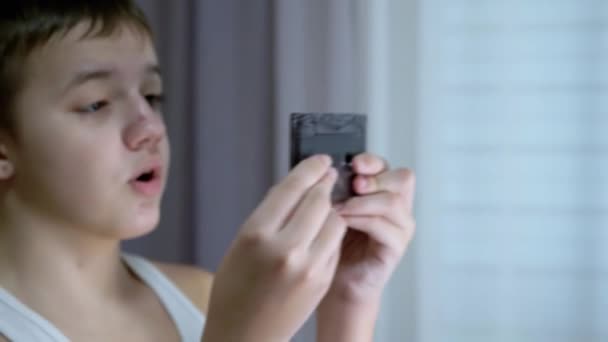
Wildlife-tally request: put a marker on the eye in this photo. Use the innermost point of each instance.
(155, 100)
(93, 107)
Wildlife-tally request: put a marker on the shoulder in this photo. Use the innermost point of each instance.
(193, 281)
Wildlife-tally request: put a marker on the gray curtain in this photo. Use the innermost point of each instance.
(216, 58)
(233, 71)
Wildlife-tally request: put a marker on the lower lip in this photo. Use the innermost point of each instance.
(149, 189)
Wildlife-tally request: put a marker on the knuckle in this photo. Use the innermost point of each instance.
(289, 262)
(405, 177)
(394, 201)
(315, 276)
(253, 238)
(307, 275)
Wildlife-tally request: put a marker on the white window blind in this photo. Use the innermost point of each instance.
(513, 170)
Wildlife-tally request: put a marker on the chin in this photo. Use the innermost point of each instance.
(143, 225)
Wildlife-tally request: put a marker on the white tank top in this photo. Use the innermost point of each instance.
(19, 323)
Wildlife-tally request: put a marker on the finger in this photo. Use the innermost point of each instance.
(332, 263)
(386, 204)
(369, 164)
(281, 200)
(399, 181)
(329, 239)
(311, 213)
(382, 231)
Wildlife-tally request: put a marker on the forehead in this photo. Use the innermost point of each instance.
(127, 51)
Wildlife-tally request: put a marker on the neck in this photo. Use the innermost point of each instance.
(70, 262)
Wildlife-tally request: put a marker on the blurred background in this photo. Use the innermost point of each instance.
(501, 107)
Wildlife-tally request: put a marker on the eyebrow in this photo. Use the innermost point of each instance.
(104, 74)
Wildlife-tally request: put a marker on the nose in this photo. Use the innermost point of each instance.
(145, 130)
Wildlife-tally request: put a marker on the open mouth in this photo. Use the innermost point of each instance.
(148, 183)
(146, 176)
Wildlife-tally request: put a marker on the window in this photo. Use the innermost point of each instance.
(514, 110)
(511, 149)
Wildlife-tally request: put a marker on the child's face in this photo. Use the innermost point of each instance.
(87, 126)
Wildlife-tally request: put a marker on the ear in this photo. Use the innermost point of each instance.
(7, 167)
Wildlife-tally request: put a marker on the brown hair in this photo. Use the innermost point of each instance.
(28, 24)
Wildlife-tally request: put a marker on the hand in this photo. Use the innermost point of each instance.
(282, 262)
(381, 227)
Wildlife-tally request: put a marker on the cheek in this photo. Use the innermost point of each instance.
(78, 185)
(74, 171)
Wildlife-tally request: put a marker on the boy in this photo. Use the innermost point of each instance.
(83, 162)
